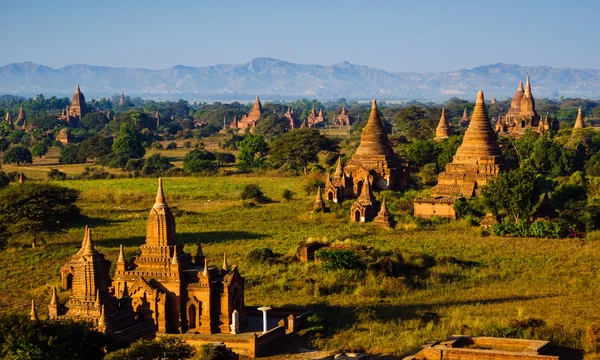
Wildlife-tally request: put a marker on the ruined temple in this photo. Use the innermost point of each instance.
(477, 160)
(8, 119)
(249, 121)
(64, 136)
(21, 119)
(383, 218)
(464, 120)
(364, 208)
(579, 124)
(319, 205)
(343, 119)
(289, 115)
(73, 114)
(443, 130)
(181, 292)
(339, 186)
(92, 298)
(375, 160)
(122, 99)
(522, 115)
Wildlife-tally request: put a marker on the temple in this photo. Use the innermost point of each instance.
(249, 121)
(343, 119)
(522, 115)
(339, 186)
(122, 99)
(165, 287)
(92, 299)
(8, 119)
(314, 119)
(579, 124)
(21, 119)
(375, 160)
(289, 116)
(73, 114)
(464, 120)
(443, 130)
(477, 160)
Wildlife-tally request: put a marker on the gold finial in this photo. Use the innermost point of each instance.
(480, 97)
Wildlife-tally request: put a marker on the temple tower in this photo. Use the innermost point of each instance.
(579, 124)
(443, 131)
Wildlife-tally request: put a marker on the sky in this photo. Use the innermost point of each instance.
(392, 35)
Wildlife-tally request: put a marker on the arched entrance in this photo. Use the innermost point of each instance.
(357, 216)
(69, 281)
(192, 316)
(330, 196)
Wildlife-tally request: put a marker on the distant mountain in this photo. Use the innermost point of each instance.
(272, 78)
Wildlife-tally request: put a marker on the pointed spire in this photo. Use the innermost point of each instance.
(520, 89)
(365, 192)
(442, 131)
(383, 206)
(225, 266)
(89, 247)
(344, 111)
(98, 302)
(33, 315)
(121, 254)
(319, 205)
(579, 124)
(54, 298)
(383, 216)
(339, 170)
(199, 252)
(102, 318)
(85, 239)
(77, 89)
(21, 179)
(161, 202)
(175, 260)
(205, 271)
(527, 87)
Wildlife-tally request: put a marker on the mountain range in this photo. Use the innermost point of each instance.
(277, 79)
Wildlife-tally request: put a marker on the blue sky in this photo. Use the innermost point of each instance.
(391, 35)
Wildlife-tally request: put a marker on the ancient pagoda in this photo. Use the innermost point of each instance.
(522, 115)
(179, 291)
(249, 121)
(73, 114)
(365, 207)
(339, 186)
(312, 117)
(383, 218)
(477, 160)
(21, 119)
(375, 160)
(87, 275)
(579, 124)
(289, 116)
(343, 119)
(464, 120)
(443, 130)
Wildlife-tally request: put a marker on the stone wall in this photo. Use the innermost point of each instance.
(427, 208)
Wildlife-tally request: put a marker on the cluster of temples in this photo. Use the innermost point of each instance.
(477, 160)
(163, 289)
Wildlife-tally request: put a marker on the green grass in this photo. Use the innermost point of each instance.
(495, 280)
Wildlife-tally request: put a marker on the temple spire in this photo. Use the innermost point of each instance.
(442, 131)
(579, 124)
(21, 179)
(205, 271)
(160, 202)
(225, 265)
(54, 298)
(527, 87)
(98, 302)
(319, 205)
(89, 247)
(33, 315)
(339, 170)
(121, 254)
(102, 318)
(125, 293)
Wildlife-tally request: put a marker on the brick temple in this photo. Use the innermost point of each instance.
(249, 121)
(73, 114)
(477, 160)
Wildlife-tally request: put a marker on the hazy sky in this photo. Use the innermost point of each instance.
(392, 35)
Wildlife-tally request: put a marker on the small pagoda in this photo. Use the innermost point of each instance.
(443, 130)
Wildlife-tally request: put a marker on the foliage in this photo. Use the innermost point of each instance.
(172, 145)
(253, 150)
(97, 146)
(299, 148)
(128, 145)
(157, 163)
(39, 149)
(253, 192)
(4, 180)
(32, 209)
(19, 155)
(21, 338)
(94, 121)
(165, 348)
(259, 255)
(272, 125)
(72, 154)
(55, 174)
(421, 152)
(287, 195)
(339, 259)
(522, 228)
(199, 161)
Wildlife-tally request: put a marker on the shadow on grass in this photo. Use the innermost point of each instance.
(84, 220)
(127, 242)
(209, 237)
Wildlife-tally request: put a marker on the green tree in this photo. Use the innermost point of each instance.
(39, 149)
(516, 192)
(94, 121)
(128, 145)
(299, 148)
(165, 348)
(272, 125)
(34, 209)
(421, 152)
(72, 154)
(97, 146)
(19, 155)
(199, 161)
(4, 180)
(253, 150)
(157, 163)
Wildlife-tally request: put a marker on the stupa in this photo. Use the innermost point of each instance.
(443, 131)
(249, 121)
(375, 160)
(477, 160)
(343, 119)
(579, 124)
(522, 115)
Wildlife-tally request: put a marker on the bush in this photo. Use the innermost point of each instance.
(592, 338)
(19, 155)
(70, 154)
(314, 181)
(253, 191)
(165, 348)
(56, 174)
(172, 146)
(156, 145)
(216, 352)
(134, 164)
(539, 228)
(288, 195)
(200, 161)
(259, 255)
(339, 259)
(187, 144)
(4, 179)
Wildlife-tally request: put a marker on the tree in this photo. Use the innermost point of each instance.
(127, 144)
(517, 192)
(33, 209)
(165, 348)
(199, 161)
(4, 180)
(72, 154)
(421, 152)
(21, 338)
(253, 150)
(272, 125)
(97, 146)
(299, 148)
(94, 121)
(39, 149)
(157, 163)
(19, 155)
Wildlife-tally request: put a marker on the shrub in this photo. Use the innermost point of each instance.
(314, 181)
(216, 352)
(56, 174)
(19, 155)
(338, 259)
(253, 191)
(134, 164)
(259, 255)
(199, 161)
(288, 195)
(187, 144)
(172, 146)
(156, 145)
(539, 228)
(592, 338)
(4, 179)
(165, 348)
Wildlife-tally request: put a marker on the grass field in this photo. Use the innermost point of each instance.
(471, 282)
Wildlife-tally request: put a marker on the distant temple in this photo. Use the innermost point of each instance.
(477, 160)
(8, 119)
(314, 119)
(163, 289)
(522, 115)
(343, 119)
(291, 121)
(73, 114)
(464, 120)
(64, 136)
(579, 124)
(443, 130)
(122, 99)
(21, 119)
(249, 121)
